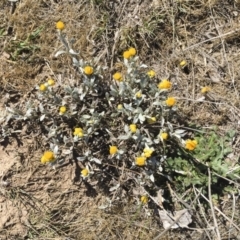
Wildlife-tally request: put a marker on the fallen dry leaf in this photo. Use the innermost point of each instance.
(180, 218)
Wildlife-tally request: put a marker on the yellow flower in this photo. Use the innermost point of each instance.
(120, 107)
(42, 87)
(144, 199)
(165, 84)
(88, 70)
(133, 128)
(164, 135)
(205, 90)
(48, 156)
(132, 51)
(148, 152)
(170, 101)
(62, 110)
(151, 74)
(152, 120)
(183, 63)
(51, 82)
(113, 150)
(84, 172)
(138, 94)
(140, 161)
(190, 144)
(78, 132)
(60, 25)
(117, 76)
(127, 55)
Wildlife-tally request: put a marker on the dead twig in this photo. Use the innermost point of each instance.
(211, 205)
(219, 211)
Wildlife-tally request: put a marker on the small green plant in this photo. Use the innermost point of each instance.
(192, 169)
(24, 47)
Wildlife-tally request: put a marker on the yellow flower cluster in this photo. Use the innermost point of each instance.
(151, 74)
(113, 150)
(117, 76)
(140, 161)
(133, 128)
(164, 136)
(62, 110)
(78, 132)
(131, 52)
(138, 94)
(205, 89)
(190, 144)
(85, 172)
(147, 152)
(47, 157)
(60, 25)
(44, 86)
(88, 70)
(165, 84)
(51, 82)
(170, 101)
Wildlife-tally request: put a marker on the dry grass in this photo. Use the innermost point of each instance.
(50, 204)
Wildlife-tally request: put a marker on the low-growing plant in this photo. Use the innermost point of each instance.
(25, 47)
(125, 129)
(192, 168)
